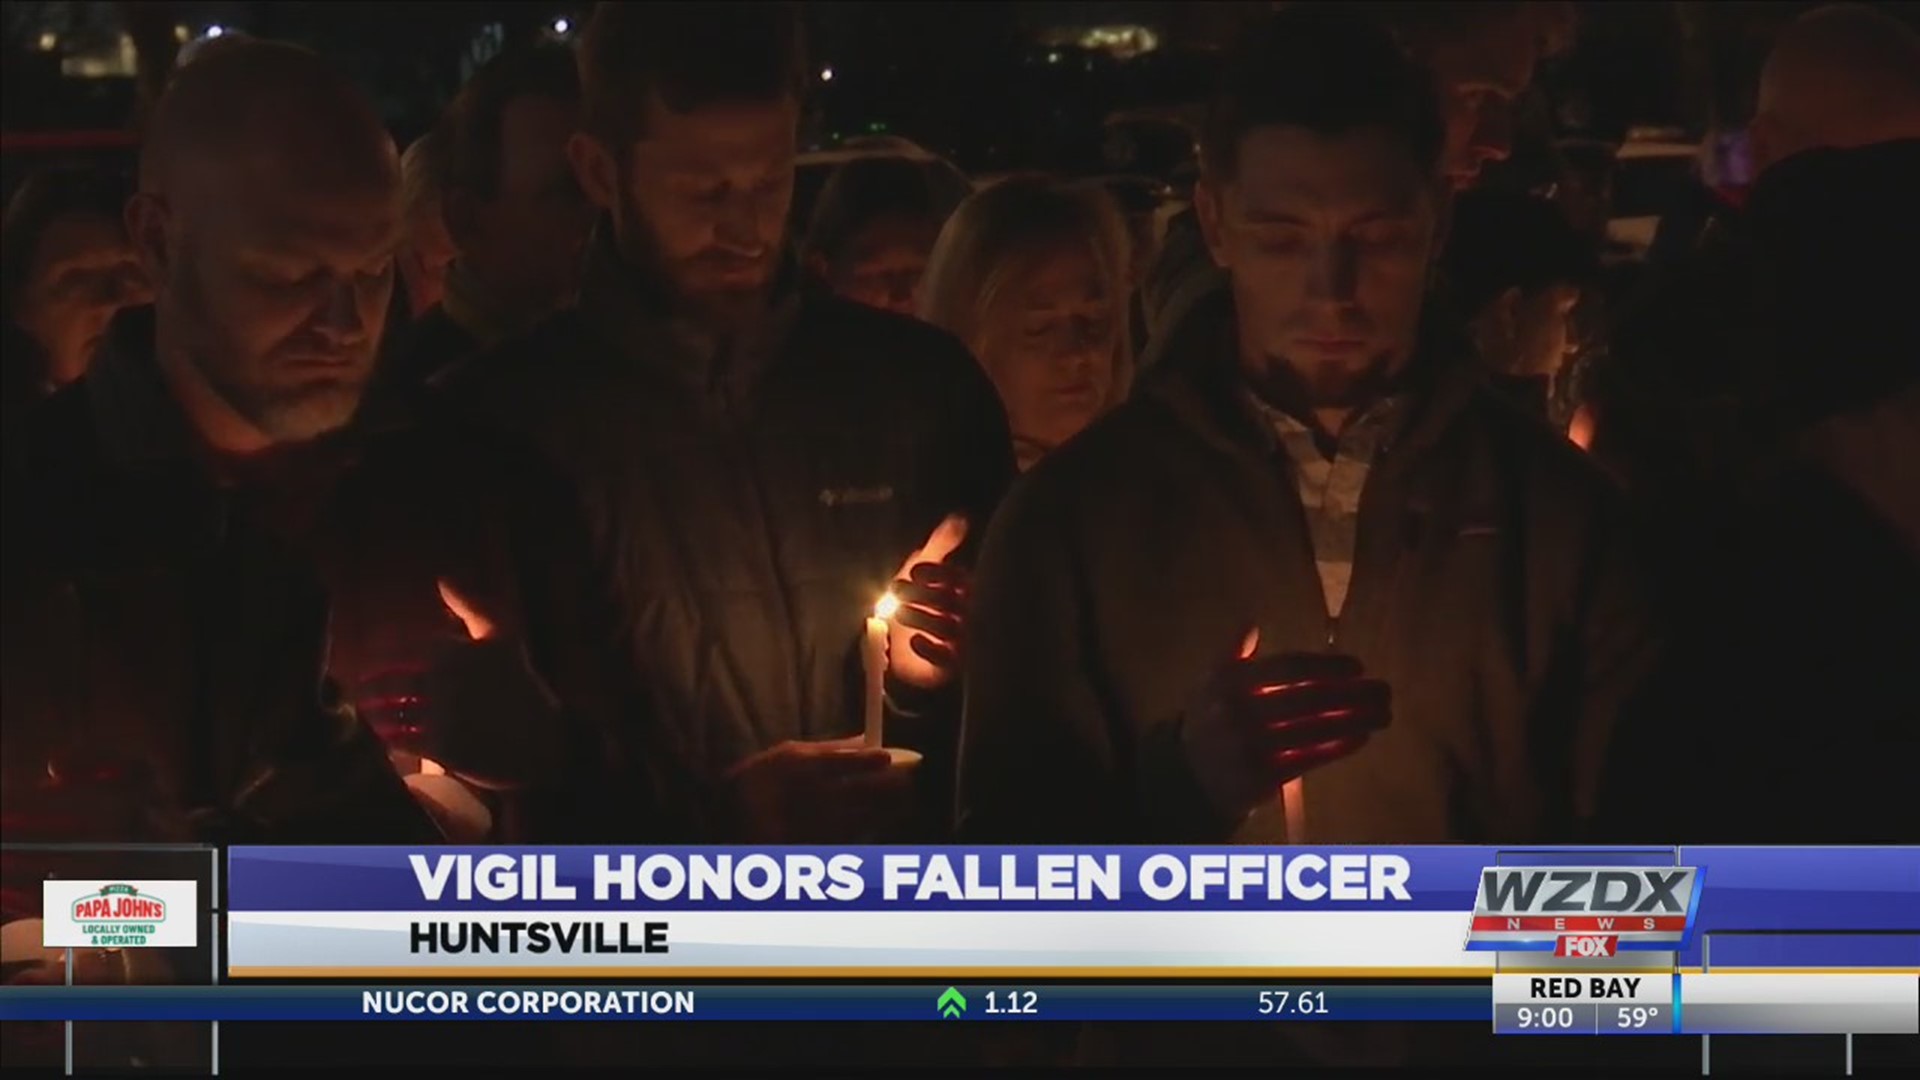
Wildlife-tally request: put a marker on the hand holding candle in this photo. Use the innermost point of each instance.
(928, 630)
(475, 709)
(1263, 722)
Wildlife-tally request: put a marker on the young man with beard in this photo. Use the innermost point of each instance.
(1214, 591)
(759, 461)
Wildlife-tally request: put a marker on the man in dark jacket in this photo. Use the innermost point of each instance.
(1320, 473)
(758, 461)
(514, 213)
(211, 524)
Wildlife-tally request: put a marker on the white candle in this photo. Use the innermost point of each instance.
(1293, 802)
(873, 654)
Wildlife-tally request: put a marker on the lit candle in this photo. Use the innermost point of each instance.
(873, 652)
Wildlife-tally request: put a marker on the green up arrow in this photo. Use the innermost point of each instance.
(952, 1003)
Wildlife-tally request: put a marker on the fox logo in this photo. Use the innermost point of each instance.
(1585, 945)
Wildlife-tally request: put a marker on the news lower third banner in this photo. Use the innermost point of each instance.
(1063, 913)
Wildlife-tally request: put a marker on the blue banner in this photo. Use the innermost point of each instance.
(1743, 889)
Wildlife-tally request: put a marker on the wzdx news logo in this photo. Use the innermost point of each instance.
(1584, 911)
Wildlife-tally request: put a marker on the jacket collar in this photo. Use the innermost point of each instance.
(632, 310)
(468, 306)
(1201, 384)
(138, 424)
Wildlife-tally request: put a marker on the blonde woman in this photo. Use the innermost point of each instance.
(1032, 274)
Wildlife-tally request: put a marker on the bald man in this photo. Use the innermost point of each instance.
(226, 530)
(1840, 77)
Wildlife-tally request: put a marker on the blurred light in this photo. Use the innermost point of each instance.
(826, 74)
(181, 33)
(49, 41)
(561, 26)
(1053, 58)
(1123, 42)
(216, 30)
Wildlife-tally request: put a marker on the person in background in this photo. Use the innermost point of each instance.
(1517, 268)
(1481, 57)
(517, 219)
(758, 460)
(1140, 210)
(1791, 546)
(66, 270)
(872, 231)
(1031, 274)
(1673, 409)
(219, 543)
(426, 248)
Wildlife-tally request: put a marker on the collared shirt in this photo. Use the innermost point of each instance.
(1331, 472)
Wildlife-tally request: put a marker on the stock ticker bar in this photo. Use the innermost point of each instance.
(1658, 1005)
(1277, 1002)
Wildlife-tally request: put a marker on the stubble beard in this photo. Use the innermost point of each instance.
(720, 312)
(1288, 383)
(284, 413)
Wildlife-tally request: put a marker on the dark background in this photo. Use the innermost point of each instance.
(993, 85)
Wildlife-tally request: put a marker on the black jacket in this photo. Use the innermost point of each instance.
(752, 506)
(413, 354)
(201, 624)
(1492, 590)
(1793, 569)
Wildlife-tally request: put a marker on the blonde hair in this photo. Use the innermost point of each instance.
(994, 238)
(423, 174)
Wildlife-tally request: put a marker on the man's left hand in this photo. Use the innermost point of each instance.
(928, 632)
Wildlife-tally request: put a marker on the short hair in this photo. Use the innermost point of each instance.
(1503, 240)
(235, 94)
(475, 119)
(1870, 50)
(43, 198)
(690, 55)
(866, 190)
(1331, 71)
(995, 235)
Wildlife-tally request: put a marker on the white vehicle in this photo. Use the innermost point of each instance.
(1649, 177)
(813, 169)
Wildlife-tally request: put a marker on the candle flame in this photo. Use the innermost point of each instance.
(886, 606)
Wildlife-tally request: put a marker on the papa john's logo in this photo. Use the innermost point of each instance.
(118, 903)
(119, 914)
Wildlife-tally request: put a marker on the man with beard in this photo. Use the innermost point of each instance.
(1210, 596)
(758, 461)
(209, 535)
